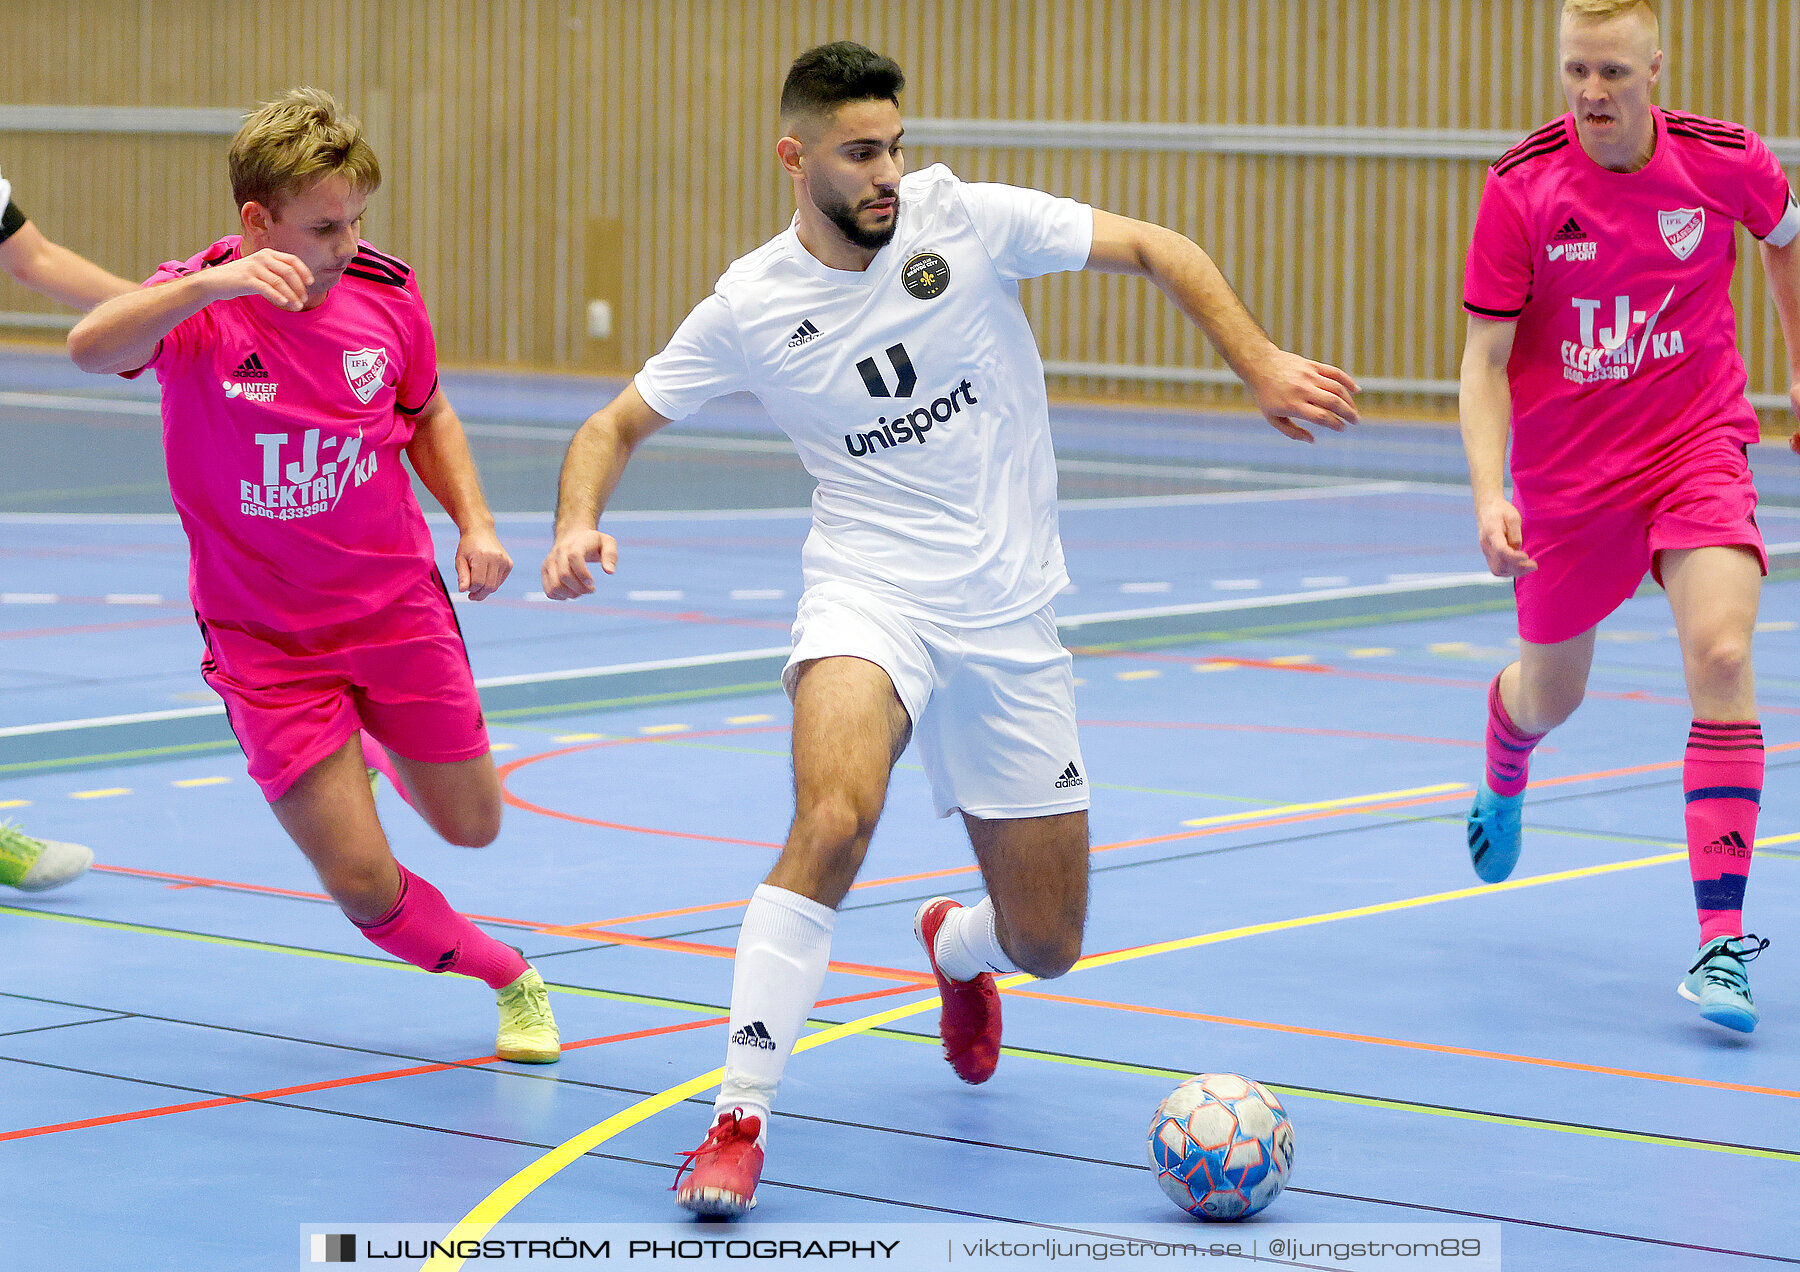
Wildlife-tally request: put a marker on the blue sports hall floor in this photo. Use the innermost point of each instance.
(1282, 655)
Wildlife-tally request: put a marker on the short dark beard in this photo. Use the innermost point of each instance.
(843, 216)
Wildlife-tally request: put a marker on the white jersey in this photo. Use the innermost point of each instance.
(913, 391)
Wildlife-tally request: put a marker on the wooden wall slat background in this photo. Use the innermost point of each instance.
(540, 153)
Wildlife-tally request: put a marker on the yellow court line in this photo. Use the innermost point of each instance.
(1384, 907)
(491, 1209)
(1282, 810)
(1778, 839)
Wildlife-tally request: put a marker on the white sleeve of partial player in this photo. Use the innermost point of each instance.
(1787, 227)
(5, 193)
(1028, 233)
(702, 361)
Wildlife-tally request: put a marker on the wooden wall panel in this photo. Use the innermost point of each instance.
(540, 153)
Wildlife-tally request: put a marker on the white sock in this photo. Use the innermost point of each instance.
(967, 944)
(783, 947)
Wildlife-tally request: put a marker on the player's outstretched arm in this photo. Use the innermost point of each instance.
(122, 333)
(1782, 267)
(1484, 405)
(439, 451)
(597, 457)
(1289, 390)
(52, 270)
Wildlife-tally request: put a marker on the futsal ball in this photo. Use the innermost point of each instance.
(1221, 1146)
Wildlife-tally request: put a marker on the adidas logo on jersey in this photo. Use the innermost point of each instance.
(1070, 776)
(1571, 243)
(754, 1034)
(803, 333)
(251, 368)
(1730, 845)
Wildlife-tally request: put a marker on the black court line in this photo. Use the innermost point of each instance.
(67, 1024)
(699, 1101)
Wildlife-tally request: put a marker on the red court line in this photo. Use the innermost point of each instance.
(584, 931)
(670, 616)
(1440, 1048)
(88, 628)
(506, 770)
(1390, 677)
(413, 1071)
(1280, 728)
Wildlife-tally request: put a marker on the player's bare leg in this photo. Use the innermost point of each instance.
(459, 800)
(329, 812)
(1714, 593)
(849, 728)
(1036, 871)
(1526, 700)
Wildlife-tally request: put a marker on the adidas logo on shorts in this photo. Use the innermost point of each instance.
(754, 1034)
(1070, 776)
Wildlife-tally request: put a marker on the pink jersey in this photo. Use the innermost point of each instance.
(1625, 355)
(283, 433)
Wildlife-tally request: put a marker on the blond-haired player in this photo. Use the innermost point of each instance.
(1602, 337)
(296, 363)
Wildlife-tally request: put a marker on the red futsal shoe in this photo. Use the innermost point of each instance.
(725, 1168)
(969, 1023)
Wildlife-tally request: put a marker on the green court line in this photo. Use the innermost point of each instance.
(1497, 1119)
(358, 960)
(1374, 1102)
(120, 757)
(1221, 635)
(636, 700)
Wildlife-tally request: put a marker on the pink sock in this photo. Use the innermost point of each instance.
(1723, 777)
(1508, 747)
(423, 930)
(376, 757)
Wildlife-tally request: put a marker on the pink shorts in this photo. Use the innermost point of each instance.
(294, 698)
(1591, 562)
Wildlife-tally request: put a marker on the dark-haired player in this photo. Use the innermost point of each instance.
(1601, 331)
(883, 331)
(49, 269)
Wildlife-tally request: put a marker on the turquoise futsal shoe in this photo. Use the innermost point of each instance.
(1717, 981)
(1494, 834)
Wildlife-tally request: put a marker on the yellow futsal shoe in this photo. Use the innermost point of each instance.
(527, 1029)
(36, 865)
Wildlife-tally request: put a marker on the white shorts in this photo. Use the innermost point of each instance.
(992, 708)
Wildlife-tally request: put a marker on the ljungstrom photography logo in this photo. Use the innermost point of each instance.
(334, 1247)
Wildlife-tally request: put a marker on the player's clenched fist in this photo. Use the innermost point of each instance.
(280, 278)
(566, 573)
(1502, 538)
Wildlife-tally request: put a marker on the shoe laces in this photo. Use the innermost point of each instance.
(1724, 962)
(531, 1003)
(729, 1127)
(15, 842)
